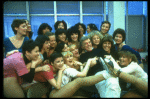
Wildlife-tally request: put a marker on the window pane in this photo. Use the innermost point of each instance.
(7, 25)
(68, 7)
(41, 7)
(15, 7)
(97, 20)
(36, 21)
(92, 7)
(70, 20)
(135, 7)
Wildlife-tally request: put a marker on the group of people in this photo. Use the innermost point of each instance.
(68, 63)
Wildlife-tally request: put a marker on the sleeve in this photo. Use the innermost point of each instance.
(20, 67)
(29, 77)
(71, 72)
(48, 75)
(130, 68)
(128, 48)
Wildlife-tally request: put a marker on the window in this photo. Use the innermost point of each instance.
(38, 12)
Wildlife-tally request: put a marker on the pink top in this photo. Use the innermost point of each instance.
(14, 66)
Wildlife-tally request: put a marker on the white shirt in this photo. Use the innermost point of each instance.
(67, 75)
(134, 69)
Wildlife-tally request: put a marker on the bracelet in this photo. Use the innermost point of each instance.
(118, 72)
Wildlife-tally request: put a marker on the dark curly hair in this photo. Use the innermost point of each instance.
(92, 26)
(70, 32)
(42, 27)
(59, 47)
(54, 56)
(120, 31)
(58, 22)
(83, 26)
(17, 23)
(41, 40)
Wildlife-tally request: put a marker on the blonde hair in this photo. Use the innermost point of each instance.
(95, 32)
(65, 54)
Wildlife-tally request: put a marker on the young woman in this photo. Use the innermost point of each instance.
(91, 27)
(17, 70)
(60, 25)
(43, 28)
(104, 28)
(44, 45)
(19, 28)
(128, 65)
(81, 27)
(53, 42)
(62, 47)
(119, 37)
(61, 36)
(69, 88)
(74, 49)
(95, 37)
(73, 35)
(29, 32)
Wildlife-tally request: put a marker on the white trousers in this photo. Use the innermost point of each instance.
(109, 88)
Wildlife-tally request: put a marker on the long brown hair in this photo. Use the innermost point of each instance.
(129, 55)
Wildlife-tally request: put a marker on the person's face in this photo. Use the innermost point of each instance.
(74, 37)
(124, 61)
(53, 42)
(107, 46)
(87, 45)
(66, 48)
(81, 29)
(75, 51)
(46, 45)
(28, 26)
(96, 39)
(68, 60)
(61, 26)
(105, 28)
(46, 30)
(58, 63)
(118, 38)
(88, 29)
(34, 53)
(21, 29)
(62, 37)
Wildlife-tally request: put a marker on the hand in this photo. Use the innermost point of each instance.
(93, 61)
(63, 68)
(76, 63)
(46, 68)
(11, 52)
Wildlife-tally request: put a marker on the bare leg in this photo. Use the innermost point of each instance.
(69, 89)
(140, 84)
(12, 89)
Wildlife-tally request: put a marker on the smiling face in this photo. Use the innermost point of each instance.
(68, 59)
(87, 45)
(53, 42)
(96, 39)
(46, 46)
(74, 37)
(62, 37)
(124, 61)
(21, 30)
(118, 38)
(75, 51)
(88, 29)
(58, 63)
(107, 46)
(105, 28)
(61, 26)
(33, 55)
